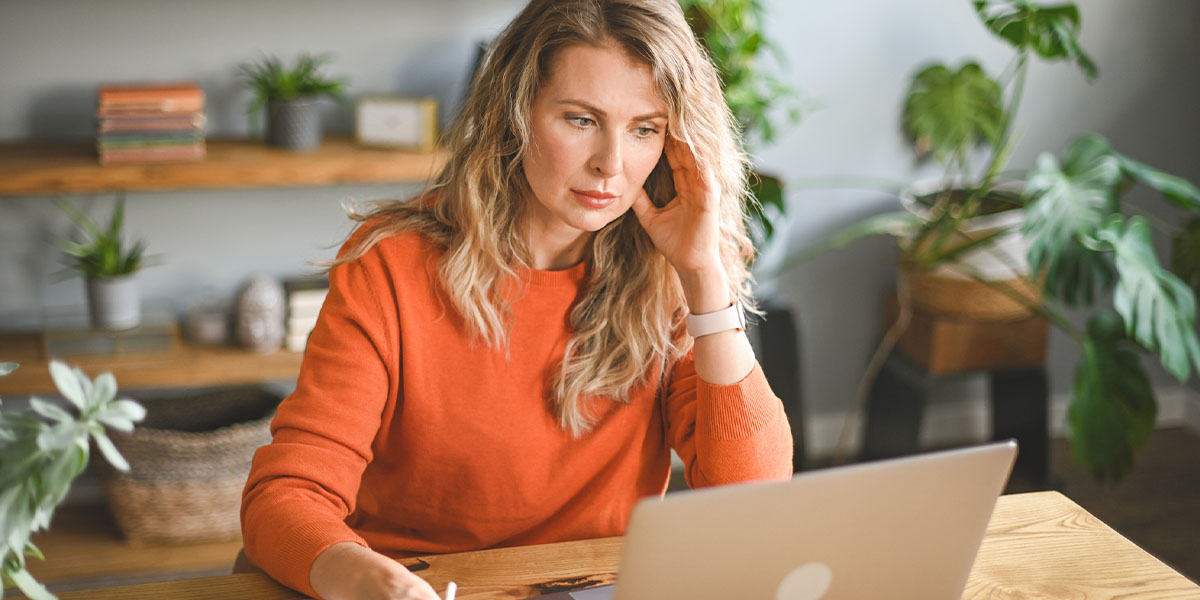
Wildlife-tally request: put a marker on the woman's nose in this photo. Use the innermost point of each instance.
(606, 158)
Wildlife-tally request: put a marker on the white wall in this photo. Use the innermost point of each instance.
(854, 57)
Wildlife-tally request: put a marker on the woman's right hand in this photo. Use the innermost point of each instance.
(348, 571)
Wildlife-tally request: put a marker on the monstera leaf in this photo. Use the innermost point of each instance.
(1159, 310)
(767, 191)
(1050, 31)
(1185, 254)
(1112, 406)
(1177, 190)
(1067, 207)
(948, 112)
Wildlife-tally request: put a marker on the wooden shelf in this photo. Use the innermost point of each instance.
(84, 548)
(187, 366)
(46, 168)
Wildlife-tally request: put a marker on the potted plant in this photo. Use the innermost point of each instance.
(109, 266)
(44, 452)
(1074, 246)
(731, 30)
(290, 96)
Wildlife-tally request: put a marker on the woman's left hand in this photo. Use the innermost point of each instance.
(687, 229)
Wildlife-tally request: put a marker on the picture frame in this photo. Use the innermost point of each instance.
(397, 122)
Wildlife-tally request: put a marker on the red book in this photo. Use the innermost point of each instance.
(135, 93)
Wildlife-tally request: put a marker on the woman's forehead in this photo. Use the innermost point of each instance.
(604, 79)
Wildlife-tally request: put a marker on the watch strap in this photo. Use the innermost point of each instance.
(731, 317)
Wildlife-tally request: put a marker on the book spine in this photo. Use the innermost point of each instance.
(170, 153)
(152, 124)
(105, 142)
(110, 95)
(163, 105)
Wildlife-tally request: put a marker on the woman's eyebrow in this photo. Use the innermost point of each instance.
(592, 109)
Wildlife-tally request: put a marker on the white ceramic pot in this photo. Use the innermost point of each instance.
(115, 303)
(1005, 258)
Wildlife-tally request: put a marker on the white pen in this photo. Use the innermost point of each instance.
(451, 588)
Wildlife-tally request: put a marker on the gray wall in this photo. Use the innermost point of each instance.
(853, 58)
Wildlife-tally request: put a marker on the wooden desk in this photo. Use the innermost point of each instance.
(1038, 545)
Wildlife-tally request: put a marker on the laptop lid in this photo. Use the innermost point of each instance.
(900, 528)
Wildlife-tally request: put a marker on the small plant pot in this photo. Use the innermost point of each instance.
(294, 124)
(114, 303)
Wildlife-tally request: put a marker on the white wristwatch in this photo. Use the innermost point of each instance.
(732, 317)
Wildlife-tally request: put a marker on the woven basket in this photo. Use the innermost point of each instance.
(968, 298)
(188, 464)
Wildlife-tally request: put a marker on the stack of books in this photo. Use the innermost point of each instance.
(151, 122)
(304, 299)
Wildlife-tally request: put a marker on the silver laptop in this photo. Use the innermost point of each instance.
(901, 528)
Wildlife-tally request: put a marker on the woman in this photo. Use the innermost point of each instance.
(509, 358)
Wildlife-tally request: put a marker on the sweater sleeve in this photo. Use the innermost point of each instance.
(726, 433)
(304, 484)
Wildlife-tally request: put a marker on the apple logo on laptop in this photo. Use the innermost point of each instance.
(809, 581)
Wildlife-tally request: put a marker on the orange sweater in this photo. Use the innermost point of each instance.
(405, 436)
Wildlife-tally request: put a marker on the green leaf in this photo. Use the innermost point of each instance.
(121, 415)
(104, 389)
(58, 436)
(949, 112)
(1112, 405)
(765, 191)
(28, 585)
(1176, 189)
(1050, 31)
(50, 411)
(68, 384)
(110, 451)
(65, 465)
(1065, 210)
(1159, 310)
(1185, 254)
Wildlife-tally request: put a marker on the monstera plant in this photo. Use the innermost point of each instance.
(1083, 246)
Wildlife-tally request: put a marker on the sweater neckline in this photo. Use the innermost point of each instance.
(571, 276)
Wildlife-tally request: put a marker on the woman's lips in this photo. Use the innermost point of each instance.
(594, 199)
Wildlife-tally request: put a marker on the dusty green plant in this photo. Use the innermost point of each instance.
(272, 79)
(732, 32)
(102, 253)
(42, 454)
(1087, 244)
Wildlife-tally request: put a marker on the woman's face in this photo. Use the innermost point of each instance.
(598, 128)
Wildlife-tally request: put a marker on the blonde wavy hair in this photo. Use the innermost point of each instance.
(630, 316)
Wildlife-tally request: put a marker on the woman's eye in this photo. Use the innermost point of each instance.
(645, 132)
(581, 122)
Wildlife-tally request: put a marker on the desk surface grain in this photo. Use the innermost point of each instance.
(1038, 545)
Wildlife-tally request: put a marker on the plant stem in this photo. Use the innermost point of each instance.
(1015, 99)
(842, 451)
(1154, 221)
